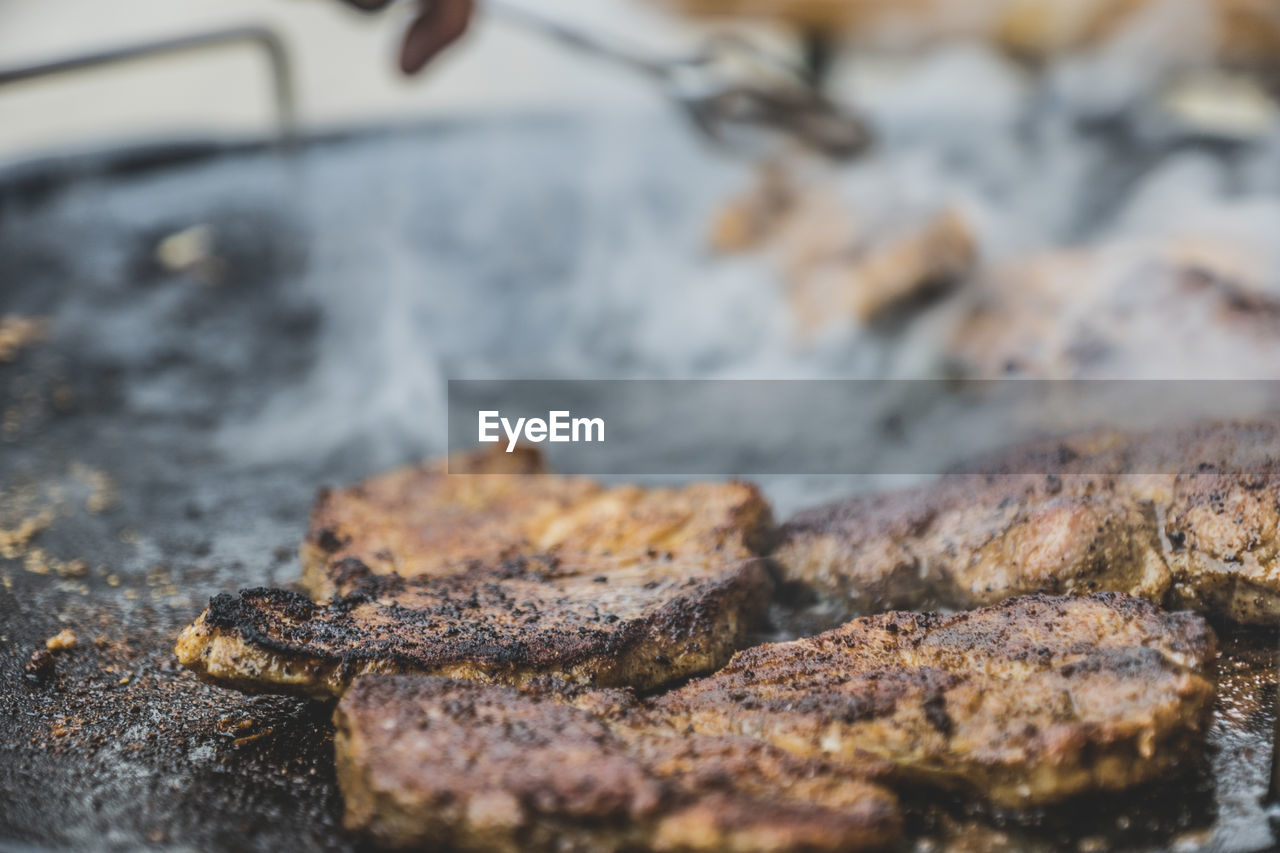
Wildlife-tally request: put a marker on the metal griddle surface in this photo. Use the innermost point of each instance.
(135, 424)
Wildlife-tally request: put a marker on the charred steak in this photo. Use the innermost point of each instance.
(641, 624)
(970, 540)
(792, 745)
(1028, 702)
(484, 566)
(430, 520)
(1189, 518)
(430, 761)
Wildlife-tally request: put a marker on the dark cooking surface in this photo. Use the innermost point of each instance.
(170, 423)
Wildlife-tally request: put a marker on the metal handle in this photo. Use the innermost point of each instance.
(270, 44)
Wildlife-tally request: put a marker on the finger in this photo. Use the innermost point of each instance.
(440, 25)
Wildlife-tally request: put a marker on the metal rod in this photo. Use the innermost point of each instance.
(272, 47)
(818, 48)
(789, 103)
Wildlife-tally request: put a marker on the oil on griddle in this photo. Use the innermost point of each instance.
(164, 435)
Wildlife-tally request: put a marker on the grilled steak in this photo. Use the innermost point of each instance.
(1216, 488)
(1027, 702)
(428, 761)
(1235, 31)
(788, 747)
(486, 567)
(1186, 517)
(640, 623)
(428, 519)
(1176, 309)
(488, 506)
(974, 540)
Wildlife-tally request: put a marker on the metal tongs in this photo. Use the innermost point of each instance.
(736, 93)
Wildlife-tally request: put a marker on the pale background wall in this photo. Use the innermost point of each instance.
(344, 64)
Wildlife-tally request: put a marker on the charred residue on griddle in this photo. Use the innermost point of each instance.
(122, 737)
(40, 665)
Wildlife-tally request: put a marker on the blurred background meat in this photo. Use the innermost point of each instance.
(1234, 30)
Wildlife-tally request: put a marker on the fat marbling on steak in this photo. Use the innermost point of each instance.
(486, 506)
(1186, 517)
(429, 761)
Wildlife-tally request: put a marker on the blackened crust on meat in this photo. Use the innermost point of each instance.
(640, 625)
(1028, 702)
(424, 760)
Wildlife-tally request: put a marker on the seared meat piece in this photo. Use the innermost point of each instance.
(1224, 530)
(968, 540)
(879, 279)
(1216, 488)
(1028, 702)
(425, 520)
(1188, 517)
(1237, 31)
(477, 767)
(488, 506)
(488, 568)
(636, 623)
(845, 263)
(1182, 310)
